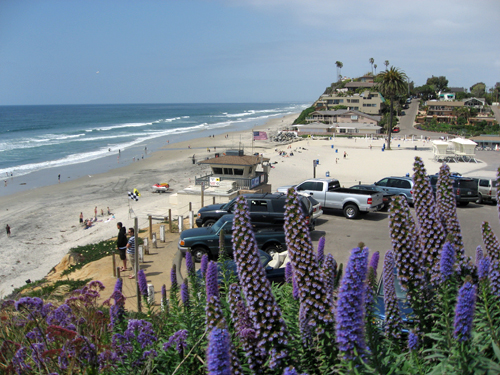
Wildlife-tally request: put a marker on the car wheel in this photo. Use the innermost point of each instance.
(480, 199)
(198, 253)
(351, 211)
(272, 250)
(209, 223)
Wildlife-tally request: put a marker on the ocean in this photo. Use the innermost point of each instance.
(37, 143)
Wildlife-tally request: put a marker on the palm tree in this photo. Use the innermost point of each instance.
(372, 60)
(339, 69)
(375, 66)
(386, 63)
(392, 82)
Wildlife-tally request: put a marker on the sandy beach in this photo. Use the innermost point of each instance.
(45, 221)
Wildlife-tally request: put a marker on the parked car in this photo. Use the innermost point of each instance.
(387, 197)
(205, 240)
(274, 275)
(396, 129)
(317, 211)
(265, 210)
(465, 189)
(487, 189)
(397, 186)
(331, 195)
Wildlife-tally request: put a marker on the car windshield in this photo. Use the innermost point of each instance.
(229, 205)
(219, 224)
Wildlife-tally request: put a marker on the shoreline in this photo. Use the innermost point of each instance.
(44, 220)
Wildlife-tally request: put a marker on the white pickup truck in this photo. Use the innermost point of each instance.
(329, 193)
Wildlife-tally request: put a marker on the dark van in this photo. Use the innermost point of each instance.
(464, 189)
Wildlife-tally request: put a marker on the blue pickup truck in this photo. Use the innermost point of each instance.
(205, 240)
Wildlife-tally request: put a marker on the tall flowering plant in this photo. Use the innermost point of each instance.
(316, 307)
(351, 307)
(447, 214)
(270, 328)
(432, 234)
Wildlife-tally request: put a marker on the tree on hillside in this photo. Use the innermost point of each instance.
(391, 84)
(426, 92)
(386, 63)
(372, 60)
(339, 69)
(439, 83)
(375, 66)
(478, 90)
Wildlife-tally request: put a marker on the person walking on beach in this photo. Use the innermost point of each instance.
(121, 244)
(345, 154)
(7, 228)
(95, 213)
(81, 217)
(131, 250)
(59, 178)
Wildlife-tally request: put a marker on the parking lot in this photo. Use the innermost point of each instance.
(373, 230)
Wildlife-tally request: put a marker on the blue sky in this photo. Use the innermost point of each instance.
(175, 51)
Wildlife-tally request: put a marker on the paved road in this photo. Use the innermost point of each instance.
(373, 230)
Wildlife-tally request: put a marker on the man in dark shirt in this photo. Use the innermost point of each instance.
(121, 244)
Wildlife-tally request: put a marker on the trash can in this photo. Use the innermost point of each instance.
(317, 161)
(336, 150)
(332, 146)
(327, 173)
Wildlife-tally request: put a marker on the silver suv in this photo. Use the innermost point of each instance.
(487, 188)
(398, 186)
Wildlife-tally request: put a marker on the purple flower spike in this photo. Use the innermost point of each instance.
(330, 272)
(447, 261)
(211, 280)
(447, 215)
(351, 306)
(218, 353)
(464, 311)
(495, 277)
(118, 285)
(479, 255)
(310, 279)
(190, 264)
(185, 293)
(393, 322)
(413, 343)
(173, 277)
(143, 283)
(483, 268)
(490, 242)
(405, 244)
(432, 232)
(288, 273)
(374, 261)
(204, 264)
(271, 330)
(320, 256)
(291, 371)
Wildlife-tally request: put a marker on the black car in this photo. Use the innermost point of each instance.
(465, 189)
(274, 275)
(387, 197)
(265, 210)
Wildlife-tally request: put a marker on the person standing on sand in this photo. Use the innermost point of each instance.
(109, 212)
(7, 228)
(121, 244)
(59, 178)
(81, 217)
(131, 250)
(95, 213)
